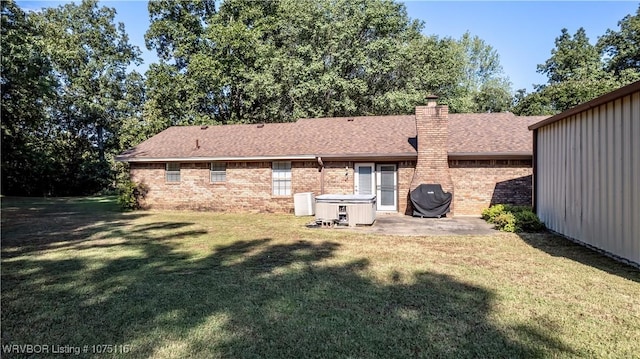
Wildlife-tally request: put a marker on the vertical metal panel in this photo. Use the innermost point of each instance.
(627, 168)
(618, 174)
(634, 104)
(610, 243)
(588, 176)
(561, 144)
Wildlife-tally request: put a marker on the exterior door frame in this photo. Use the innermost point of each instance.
(376, 183)
(389, 207)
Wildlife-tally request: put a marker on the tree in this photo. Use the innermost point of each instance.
(176, 32)
(622, 48)
(578, 71)
(493, 96)
(532, 104)
(483, 87)
(177, 28)
(26, 87)
(573, 58)
(90, 58)
(271, 61)
(346, 55)
(575, 73)
(425, 65)
(66, 92)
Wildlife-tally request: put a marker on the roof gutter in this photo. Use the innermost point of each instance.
(522, 155)
(350, 157)
(210, 159)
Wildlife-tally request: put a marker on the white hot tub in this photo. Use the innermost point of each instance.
(346, 208)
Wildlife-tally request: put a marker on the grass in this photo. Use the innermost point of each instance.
(77, 272)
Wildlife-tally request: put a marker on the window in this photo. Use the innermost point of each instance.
(172, 172)
(364, 178)
(281, 172)
(218, 172)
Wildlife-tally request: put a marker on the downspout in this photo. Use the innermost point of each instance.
(321, 170)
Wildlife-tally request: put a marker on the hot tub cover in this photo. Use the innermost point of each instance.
(429, 200)
(351, 198)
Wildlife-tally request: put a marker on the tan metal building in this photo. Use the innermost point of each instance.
(587, 173)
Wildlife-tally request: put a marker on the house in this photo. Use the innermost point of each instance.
(481, 158)
(587, 173)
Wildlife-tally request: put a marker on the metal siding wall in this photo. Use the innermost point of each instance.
(609, 243)
(588, 176)
(634, 183)
(618, 175)
(562, 176)
(588, 219)
(545, 175)
(573, 181)
(607, 237)
(627, 171)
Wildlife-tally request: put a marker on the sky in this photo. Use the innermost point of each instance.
(522, 32)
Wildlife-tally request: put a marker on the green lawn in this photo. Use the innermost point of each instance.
(77, 272)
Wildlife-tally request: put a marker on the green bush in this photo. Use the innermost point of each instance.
(492, 212)
(130, 194)
(506, 222)
(509, 218)
(528, 221)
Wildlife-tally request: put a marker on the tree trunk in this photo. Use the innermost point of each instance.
(100, 143)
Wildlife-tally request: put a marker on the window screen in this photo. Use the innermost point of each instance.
(365, 178)
(281, 172)
(218, 172)
(172, 172)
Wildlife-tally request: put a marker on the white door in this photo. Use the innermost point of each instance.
(364, 178)
(387, 187)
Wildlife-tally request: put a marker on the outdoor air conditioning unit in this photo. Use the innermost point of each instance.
(303, 204)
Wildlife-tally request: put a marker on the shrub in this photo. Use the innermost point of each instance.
(528, 221)
(492, 212)
(130, 194)
(506, 222)
(516, 209)
(509, 218)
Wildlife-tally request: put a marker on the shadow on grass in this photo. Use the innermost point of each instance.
(35, 224)
(559, 246)
(252, 298)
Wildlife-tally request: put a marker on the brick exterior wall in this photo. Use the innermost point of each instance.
(478, 184)
(432, 128)
(248, 185)
(405, 175)
(338, 178)
(482, 183)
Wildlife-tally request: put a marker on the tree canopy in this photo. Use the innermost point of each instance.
(622, 48)
(27, 85)
(70, 101)
(255, 61)
(65, 91)
(579, 71)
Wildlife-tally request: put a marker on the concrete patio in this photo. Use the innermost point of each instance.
(398, 224)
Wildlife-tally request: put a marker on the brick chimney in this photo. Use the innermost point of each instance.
(432, 128)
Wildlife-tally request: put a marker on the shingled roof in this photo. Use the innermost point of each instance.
(490, 133)
(362, 136)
